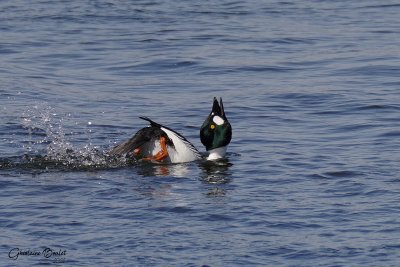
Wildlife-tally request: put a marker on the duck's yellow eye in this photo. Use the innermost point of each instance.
(212, 126)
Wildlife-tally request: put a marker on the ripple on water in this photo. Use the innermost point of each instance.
(342, 174)
(312, 174)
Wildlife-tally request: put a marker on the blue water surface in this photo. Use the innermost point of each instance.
(311, 88)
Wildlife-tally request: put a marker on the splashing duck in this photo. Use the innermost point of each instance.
(161, 144)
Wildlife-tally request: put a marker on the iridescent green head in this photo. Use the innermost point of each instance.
(216, 131)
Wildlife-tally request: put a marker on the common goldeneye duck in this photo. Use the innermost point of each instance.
(216, 131)
(162, 144)
(158, 143)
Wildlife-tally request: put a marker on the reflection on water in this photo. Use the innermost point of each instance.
(213, 173)
(147, 169)
(216, 172)
(153, 190)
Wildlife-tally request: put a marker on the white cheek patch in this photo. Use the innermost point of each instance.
(218, 120)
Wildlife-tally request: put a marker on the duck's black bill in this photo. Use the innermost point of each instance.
(218, 108)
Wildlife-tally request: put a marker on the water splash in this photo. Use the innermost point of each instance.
(45, 126)
(46, 135)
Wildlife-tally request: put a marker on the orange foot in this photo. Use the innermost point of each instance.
(162, 154)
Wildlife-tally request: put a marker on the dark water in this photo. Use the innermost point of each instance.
(311, 88)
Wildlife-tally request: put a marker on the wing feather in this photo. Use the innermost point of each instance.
(173, 135)
(143, 136)
(184, 150)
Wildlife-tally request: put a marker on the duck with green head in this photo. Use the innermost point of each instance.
(216, 131)
(161, 144)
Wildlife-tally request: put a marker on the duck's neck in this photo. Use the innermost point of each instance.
(217, 153)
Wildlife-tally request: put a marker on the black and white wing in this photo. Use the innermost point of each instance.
(182, 150)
